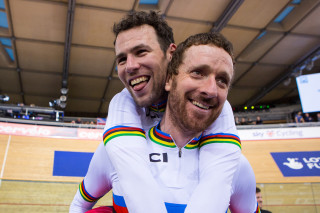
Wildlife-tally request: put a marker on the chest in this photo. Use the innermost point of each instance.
(175, 170)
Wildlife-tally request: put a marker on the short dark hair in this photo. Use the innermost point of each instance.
(215, 39)
(135, 19)
(258, 190)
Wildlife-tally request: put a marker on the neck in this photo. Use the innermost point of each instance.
(163, 99)
(181, 136)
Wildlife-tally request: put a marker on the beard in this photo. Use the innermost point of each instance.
(190, 122)
(148, 100)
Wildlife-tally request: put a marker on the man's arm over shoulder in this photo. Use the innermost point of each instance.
(225, 122)
(220, 149)
(95, 184)
(243, 198)
(123, 111)
(126, 145)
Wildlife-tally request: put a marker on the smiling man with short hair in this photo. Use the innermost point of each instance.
(144, 47)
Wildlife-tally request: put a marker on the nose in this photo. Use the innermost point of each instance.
(209, 87)
(131, 64)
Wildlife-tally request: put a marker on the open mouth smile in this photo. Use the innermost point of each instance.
(200, 105)
(139, 80)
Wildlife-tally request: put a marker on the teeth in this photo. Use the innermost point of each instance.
(138, 80)
(200, 105)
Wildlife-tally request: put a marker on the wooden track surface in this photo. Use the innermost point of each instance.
(291, 197)
(37, 196)
(3, 146)
(31, 158)
(265, 168)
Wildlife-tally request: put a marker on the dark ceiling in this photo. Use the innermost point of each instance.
(47, 45)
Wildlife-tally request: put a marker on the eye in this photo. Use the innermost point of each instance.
(121, 60)
(141, 52)
(223, 82)
(196, 73)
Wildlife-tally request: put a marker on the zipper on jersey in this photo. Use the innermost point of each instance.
(179, 148)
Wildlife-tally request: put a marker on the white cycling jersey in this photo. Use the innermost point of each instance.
(175, 170)
(129, 156)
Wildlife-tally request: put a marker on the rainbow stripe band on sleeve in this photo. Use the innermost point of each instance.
(118, 131)
(85, 195)
(220, 138)
(258, 209)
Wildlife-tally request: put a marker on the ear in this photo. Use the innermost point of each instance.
(168, 85)
(170, 51)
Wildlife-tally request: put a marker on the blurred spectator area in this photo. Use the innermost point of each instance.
(30, 112)
(276, 115)
(19, 113)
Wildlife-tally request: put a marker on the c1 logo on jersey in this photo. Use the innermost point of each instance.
(158, 157)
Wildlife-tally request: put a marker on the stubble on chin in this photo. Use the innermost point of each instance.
(196, 123)
(179, 115)
(148, 99)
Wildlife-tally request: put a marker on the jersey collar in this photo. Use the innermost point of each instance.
(164, 139)
(160, 107)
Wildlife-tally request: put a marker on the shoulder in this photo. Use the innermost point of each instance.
(224, 123)
(226, 110)
(124, 111)
(122, 97)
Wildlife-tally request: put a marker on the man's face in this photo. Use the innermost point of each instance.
(142, 65)
(198, 92)
(259, 199)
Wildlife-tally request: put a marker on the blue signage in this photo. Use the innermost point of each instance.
(73, 164)
(295, 164)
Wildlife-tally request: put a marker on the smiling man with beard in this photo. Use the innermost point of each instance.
(198, 87)
(205, 87)
(198, 81)
(144, 47)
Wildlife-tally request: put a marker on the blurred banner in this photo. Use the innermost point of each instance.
(50, 131)
(279, 133)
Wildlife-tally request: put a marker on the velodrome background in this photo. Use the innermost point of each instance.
(41, 166)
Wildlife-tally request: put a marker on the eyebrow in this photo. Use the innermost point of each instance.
(199, 67)
(207, 67)
(202, 66)
(132, 50)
